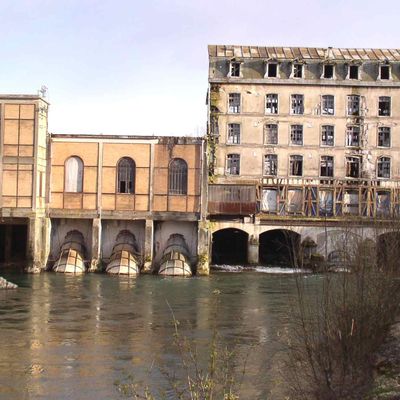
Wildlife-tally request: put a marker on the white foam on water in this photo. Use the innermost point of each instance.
(227, 268)
(280, 270)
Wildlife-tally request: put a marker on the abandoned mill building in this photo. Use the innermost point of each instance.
(301, 141)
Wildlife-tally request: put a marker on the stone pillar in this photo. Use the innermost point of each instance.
(46, 244)
(95, 262)
(203, 250)
(148, 246)
(35, 245)
(252, 249)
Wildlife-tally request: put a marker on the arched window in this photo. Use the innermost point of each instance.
(126, 171)
(73, 175)
(178, 175)
(383, 167)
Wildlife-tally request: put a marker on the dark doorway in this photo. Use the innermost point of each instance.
(229, 246)
(279, 247)
(388, 250)
(13, 242)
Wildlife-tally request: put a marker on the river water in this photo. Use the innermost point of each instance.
(74, 337)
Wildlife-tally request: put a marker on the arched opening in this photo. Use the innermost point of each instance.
(229, 246)
(73, 175)
(388, 250)
(126, 172)
(177, 176)
(279, 247)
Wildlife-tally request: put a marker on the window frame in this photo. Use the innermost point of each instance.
(267, 70)
(294, 71)
(133, 165)
(277, 103)
(390, 137)
(178, 191)
(231, 64)
(236, 135)
(379, 106)
(351, 98)
(352, 128)
(389, 67)
(333, 135)
(80, 189)
(273, 143)
(389, 161)
(333, 71)
(346, 160)
(323, 96)
(349, 72)
(293, 99)
(296, 143)
(227, 171)
(238, 108)
(290, 164)
(332, 158)
(274, 161)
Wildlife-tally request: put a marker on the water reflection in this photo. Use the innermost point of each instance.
(69, 337)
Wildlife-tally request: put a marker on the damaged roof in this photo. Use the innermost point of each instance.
(304, 53)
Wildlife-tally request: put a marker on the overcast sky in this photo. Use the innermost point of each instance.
(140, 67)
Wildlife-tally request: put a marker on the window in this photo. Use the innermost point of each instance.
(353, 72)
(271, 103)
(384, 167)
(73, 175)
(327, 135)
(233, 164)
(326, 166)
(271, 134)
(178, 176)
(235, 69)
(126, 175)
(234, 103)
(353, 136)
(353, 105)
(328, 71)
(352, 167)
(270, 164)
(297, 104)
(384, 72)
(384, 106)
(296, 134)
(384, 136)
(272, 70)
(296, 165)
(328, 105)
(233, 134)
(297, 70)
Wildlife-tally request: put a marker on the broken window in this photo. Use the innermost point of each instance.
(351, 203)
(271, 103)
(272, 70)
(235, 69)
(353, 136)
(296, 165)
(73, 175)
(296, 134)
(297, 104)
(328, 71)
(297, 70)
(384, 136)
(126, 175)
(178, 176)
(233, 164)
(270, 164)
(326, 166)
(327, 135)
(234, 103)
(233, 134)
(384, 167)
(328, 104)
(353, 105)
(353, 71)
(352, 167)
(384, 106)
(271, 134)
(384, 72)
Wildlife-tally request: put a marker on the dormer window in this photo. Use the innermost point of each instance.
(272, 70)
(297, 70)
(353, 71)
(384, 72)
(235, 69)
(328, 71)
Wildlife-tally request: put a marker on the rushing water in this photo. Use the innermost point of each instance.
(71, 337)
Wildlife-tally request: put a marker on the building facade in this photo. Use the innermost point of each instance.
(302, 134)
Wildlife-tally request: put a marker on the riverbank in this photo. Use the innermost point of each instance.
(386, 384)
